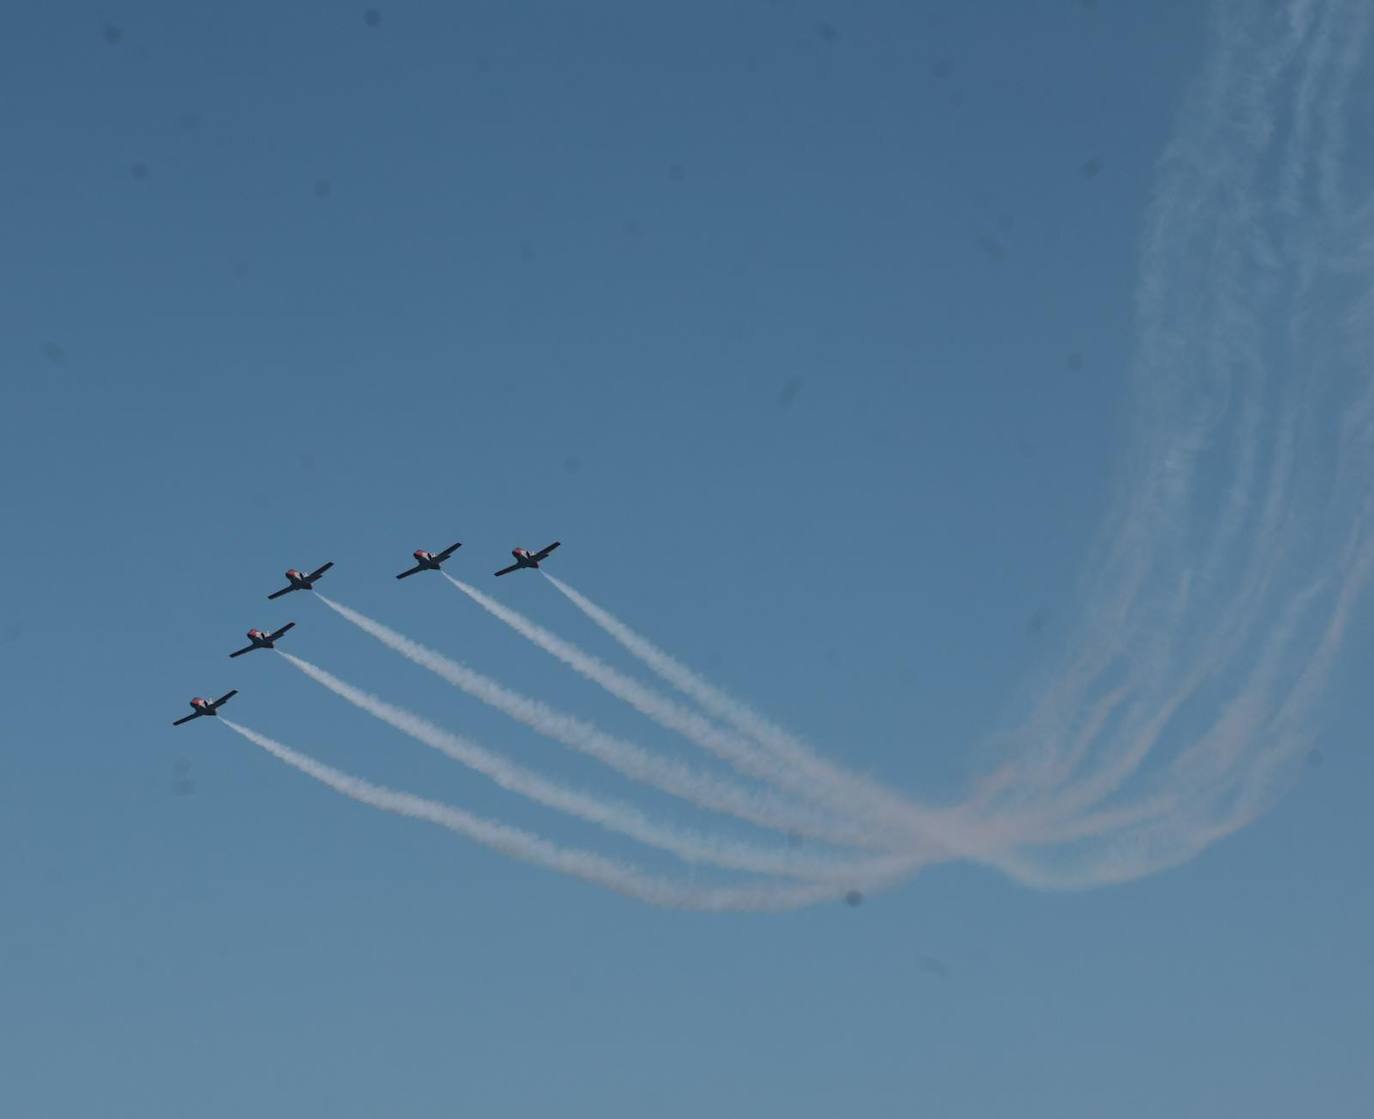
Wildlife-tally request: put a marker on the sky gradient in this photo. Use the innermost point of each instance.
(811, 332)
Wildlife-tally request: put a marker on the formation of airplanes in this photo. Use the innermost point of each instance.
(303, 581)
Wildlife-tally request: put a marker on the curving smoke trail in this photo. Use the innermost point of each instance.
(892, 819)
(1237, 547)
(613, 815)
(725, 707)
(627, 758)
(621, 877)
(956, 830)
(1222, 557)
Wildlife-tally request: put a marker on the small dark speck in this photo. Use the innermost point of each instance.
(677, 172)
(788, 393)
(994, 248)
(572, 464)
(372, 17)
(1091, 168)
(854, 899)
(1074, 361)
(112, 34)
(182, 785)
(54, 353)
(1315, 758)
(829, 32)
(139, 171)
(932, 965)
(323, 188)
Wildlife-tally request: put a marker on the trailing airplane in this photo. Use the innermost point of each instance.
(301, 582)
(261, 640)
(524, 558)
(206, 707)
(428, 561)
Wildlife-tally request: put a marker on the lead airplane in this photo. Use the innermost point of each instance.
(523, 558)
(301, 582)
(206, 707)
(428, 561)
(261, 640)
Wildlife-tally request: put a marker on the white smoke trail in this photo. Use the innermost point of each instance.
(615, 816)
(718, 703)
(1212, 185)
(1141, 587)
(956, 829)
(627, 758)
(611, 874)
(892, 818)
(1215, 603)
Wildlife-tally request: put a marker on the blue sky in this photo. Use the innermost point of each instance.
(808, 330)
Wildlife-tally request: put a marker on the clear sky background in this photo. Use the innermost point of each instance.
(805, 327)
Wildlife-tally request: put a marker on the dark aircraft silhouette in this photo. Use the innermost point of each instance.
(205, 707)
(429, 561)
(261, 640)
(524, 559)
(301, 582)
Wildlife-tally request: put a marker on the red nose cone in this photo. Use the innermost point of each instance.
(519, 552)
(422, 554)
(197, 702)
(293, 574)
(255, 633)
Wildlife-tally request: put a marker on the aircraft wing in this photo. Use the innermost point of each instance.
(320, 571)
(225, 697)
(413, 571)
(186, 718)
(508, 570)
(289, 625)
(448, 551)
(545, 551)
(245, 649)
(284, 590)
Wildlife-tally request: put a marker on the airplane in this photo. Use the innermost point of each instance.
(261, 640)
(206, 707)
(429, 561)
(301, 582)
(523, 558)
